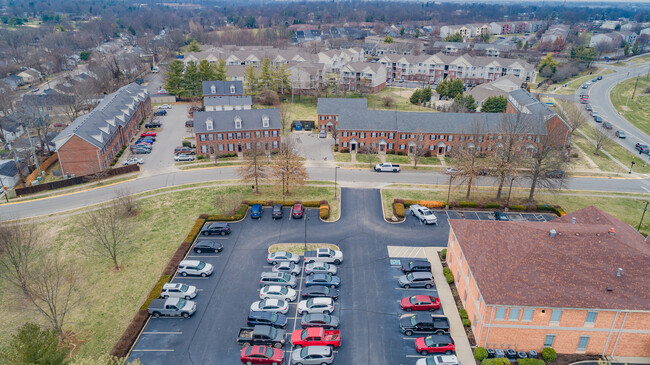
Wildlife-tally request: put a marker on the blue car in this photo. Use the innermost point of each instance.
(256, 211)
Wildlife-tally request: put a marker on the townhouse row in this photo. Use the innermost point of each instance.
(494, 28)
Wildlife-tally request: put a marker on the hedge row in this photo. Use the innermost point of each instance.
(496, 361)
(123, 345)
(196, 229)
(398, 210)
(530, 361)
(155, 292)
(448, 275)
(270, 203)
(432, 204)
(324, 211)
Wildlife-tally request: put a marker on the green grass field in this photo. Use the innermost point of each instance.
(637, 111)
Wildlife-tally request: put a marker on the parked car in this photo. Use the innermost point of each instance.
(320, 291)
(140, 151)
(607, 125)
(184, 150)
(500, 216)
(315, 305)
(182, 157)
(420, 303)
(189, 123)
(588, 107)
(297, 211)
(313, 355)
(153, 124)
(423, 214)
(256, 210)
(278, 256)
(216, 228)
(452, 171)
(416, 280)
(195, 268)
(387, 167)
(620, 134)
(171, 307)
(148, 134)
(278, 292)
(261, 335)
(323, 279)
(423, 323)
(322, 134)
(416, 265)
(261, 355)
(270, 305)
(320, 268)
(324, 255)
(439, 360)
(278, 278)
(598, 119)
(320, 320)
(207, 246)
(164, 106)
(178, 290)
(555, 174)
(642, 148)
(276, 213)
(133, 161)
(267, 318)
(600, 77)
(435, 344)
(288, 267)
(159, 113)
(315, 336)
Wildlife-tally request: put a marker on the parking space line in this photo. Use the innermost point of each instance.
(201, 256)
(154, 350)
(414, 289)
(193, 278)
(161, 333)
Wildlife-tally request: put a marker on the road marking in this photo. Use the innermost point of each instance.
(189, 277)
(154, 350)
(646, 189)
(202, 256)
(161, 333)
(414, 289)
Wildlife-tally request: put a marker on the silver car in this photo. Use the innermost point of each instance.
(279, 256)
(288, 267)
(320, 268)
(313, 355)
(178, 290)
(416, 280)
(195, 267)
(278, 278)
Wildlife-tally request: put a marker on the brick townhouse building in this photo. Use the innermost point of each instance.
(89, 144)
(443, 133)
(235, 131)
(328, 110)
(225, 95)
(578, 283)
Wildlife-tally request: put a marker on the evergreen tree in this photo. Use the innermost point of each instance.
(416, 96)
(221, 71)
(174, 83)
(281, 76)
(425, 95)
(194, 46)
(526, 45)
(266, 75)
(456, 88)
(33, 345)
(251, 82)
(635, 49)
(206, 71)
(494, 104)
(465, 103)
(443, 88)
(191, 80)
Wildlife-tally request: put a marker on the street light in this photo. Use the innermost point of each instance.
(631, 165)
(336, 169)
(451, 178)
(642, 215)
(509, 191)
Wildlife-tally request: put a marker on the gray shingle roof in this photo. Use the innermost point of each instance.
(337, 105)
(224, 121)
(114, 110)
(222, 87)
(227, 100)
(8, 168)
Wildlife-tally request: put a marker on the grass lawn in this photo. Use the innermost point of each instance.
(429, 161)
(638, 109)
(400, 160)
(617, 151)
(626, 209)
(604, 163)
(371, 159)
(342, 157)
(575, 82)
(111, 298)
(641, 59)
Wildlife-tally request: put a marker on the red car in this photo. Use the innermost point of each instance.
(148, 134)
(297, 210)
(435, 344)
(420, 303)
(261, 355)
(315, 336)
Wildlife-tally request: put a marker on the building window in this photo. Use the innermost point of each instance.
(391, 135)
(275, 144)
(548, 341)
(591, 318)
(274, 133)
(537, 139)
(528, 315)
(556, 315)
(220, 137)
(231, 147)
(345, 144)
(208, 124)
(247, 134)
(213, 89)
(514, 314)
(345, 134)
(204, 148)
(238, 135)
(450, 138)
(229, 135)
(402, 136)
(382, 134)
(501, 314)
(402, 146)
(353, 133)
(373, 134)
(265, 121)
(432, 137)
(201, 137)
(390, 146)
(582, 344)
(220, 147)
(258, 134)
(248, 145)
(266, 133)
(237, 123)
(465, 297)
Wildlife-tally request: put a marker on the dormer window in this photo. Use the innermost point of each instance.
(265, 121)
(237, 122)
(209, 125)
(232, 88)
(213, 89)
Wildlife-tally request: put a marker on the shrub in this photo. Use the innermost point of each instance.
(480, 353)
(496, 361)
(311, 204)
(155, 291)
(324, 212)
(200, 157)
(463, 313)
(195, 230)
(517, 207)
(397, 200)
(241, 212)
(443, 254)
(112, 163)
(203, 216)
(409, 202)
(449, 277)
(559, 211)
(336, 148)
(287, 203)
(270, 203)
(432, 204)
(398, 209)
(530, 362)
(253, 202)
(187, 144)
(543, 207)
(468, 204)
(123, 345)
(467, 322)
(399, 153)
(549, 354)
(178, 256)
(492, 205)
(344, 150)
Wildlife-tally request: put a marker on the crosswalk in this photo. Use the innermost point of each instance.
(406, 251)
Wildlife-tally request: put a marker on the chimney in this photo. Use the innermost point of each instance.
(619, 271)
(552, 233)
(612, 231)
(574, 220)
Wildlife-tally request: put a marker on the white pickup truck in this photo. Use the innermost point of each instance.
(386, 167)
(324, 255)
(425, 215)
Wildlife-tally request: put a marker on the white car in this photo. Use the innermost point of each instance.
(134, 161)
(195, 267)
(182, 157)
(178, 290)
(316, 305)
(452, 171)
(425, 215)
(270, 305)
(278, 292)
(320, 268)
(279, 256)
(164, 106)
(439, 360)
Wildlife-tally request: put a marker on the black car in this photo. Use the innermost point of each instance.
(318, 291)
(160, 112)
(416, 265)
(500, 216)
(154, 124)
(274, 319)
(216, 228)
(277, 211)
(555, 174)
(598, 119)
(423, 323)
(207, 246)
(607, 125)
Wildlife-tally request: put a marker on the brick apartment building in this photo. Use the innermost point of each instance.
(442, 133)
(235, 131)
(363, 76)
(90, 143)
(578, 283)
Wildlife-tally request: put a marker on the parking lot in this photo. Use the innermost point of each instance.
(368, 306)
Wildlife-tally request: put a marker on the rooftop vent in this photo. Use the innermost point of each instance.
(619, 272)
(610, 289)
(552, 233)
(573, 220)
(612, 231)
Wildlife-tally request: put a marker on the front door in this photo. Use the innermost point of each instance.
(441, 150)
(411, 150)
(239, 147)
(353, 147)
(382, 148)
(212, 150)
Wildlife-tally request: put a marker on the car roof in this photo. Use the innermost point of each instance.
(273, 301)
(273, 287)
(277, 205)
(441, 338)
(422, 297)
(322, 300)
(172, 285)
(297, 205)
(321, 350)
(422, 274)
(285, 263)
(257, 205)
(283, 253)
(259, 314)
(190, 262)
(218, 224)
(272, 274)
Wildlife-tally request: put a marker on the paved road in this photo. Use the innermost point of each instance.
(346, 177)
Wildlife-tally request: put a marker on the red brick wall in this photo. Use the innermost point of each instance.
(235, 141)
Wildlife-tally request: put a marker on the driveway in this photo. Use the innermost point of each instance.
(313, 148)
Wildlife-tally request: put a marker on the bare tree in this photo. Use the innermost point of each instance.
(81, 100)
(254, 167)
(419, 149)
(468, 157)
(17, 253)
(571, 114)
(228, 203)
(506, 156)
(335, 132)
(602, 139)
(107, 230)
(284, 116)
(288, 167)
(371, 153)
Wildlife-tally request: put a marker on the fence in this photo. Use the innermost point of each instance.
(77, 180)
(44, 166)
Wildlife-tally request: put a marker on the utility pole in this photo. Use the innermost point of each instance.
(451, 178)
(509, 191)
(642, 215)
(635, 84)
(31, 144)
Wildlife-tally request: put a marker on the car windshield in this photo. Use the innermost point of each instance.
(286, 276)
(413, 299)
(269, 352)
(185, 287)
(200, 266)
(427, 212)
(181, 303)
(326, 290)
(273, 332)
(325, 265)
(428, 341)
(304, 352)
(310, 302)
(409, 277)
(327, 318)
(284, 290)
(414, 321)
(431, 361)
(331, 252)
(303, 334)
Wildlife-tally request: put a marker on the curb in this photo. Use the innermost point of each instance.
(302, 244)
(383, 212)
